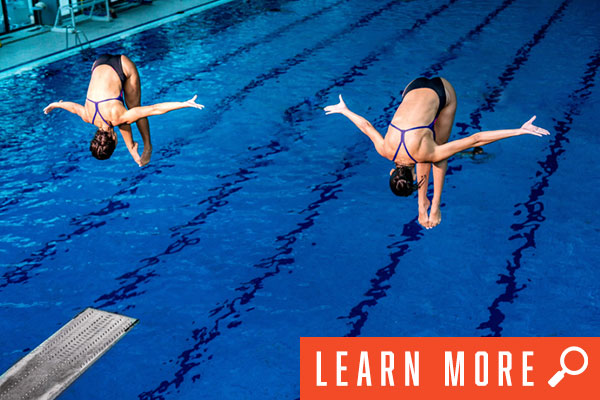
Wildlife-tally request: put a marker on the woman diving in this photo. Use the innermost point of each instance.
(115, 82)
(418, 135)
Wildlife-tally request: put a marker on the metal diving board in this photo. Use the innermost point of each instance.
(51, 367)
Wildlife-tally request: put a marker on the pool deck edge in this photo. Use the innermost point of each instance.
(120, 33)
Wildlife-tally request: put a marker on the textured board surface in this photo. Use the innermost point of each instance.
(52, 366)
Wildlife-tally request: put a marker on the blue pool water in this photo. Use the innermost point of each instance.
(260, 220)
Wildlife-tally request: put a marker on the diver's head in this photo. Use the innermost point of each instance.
(103, 144)
(402, 180)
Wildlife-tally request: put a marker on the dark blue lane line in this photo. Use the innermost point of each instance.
(304, 55)
(411, 231)
(533, 208)
(219, 18)
(129, 282)
(294, 113)
(184, 234)
(227, 313)
(247, 47)
(21, 273)
(451, 52)
(493, 95)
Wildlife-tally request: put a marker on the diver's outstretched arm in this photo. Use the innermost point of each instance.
(436, 153)
(135, 113)
(74, 108)
(360, 122)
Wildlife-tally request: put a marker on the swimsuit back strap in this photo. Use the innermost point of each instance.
(430, 127)
(403, 131)
(97, 112)
(402, 142)
(397, 150)
(406, 148)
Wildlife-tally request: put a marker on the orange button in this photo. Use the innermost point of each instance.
(449, 368)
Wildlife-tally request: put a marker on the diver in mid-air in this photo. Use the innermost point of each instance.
(418, 135)
(115, 82)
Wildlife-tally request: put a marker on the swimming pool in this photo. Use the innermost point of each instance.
(260, 220)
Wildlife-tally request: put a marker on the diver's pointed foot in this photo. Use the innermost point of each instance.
(435, 217)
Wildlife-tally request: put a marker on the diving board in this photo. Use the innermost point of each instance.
(51, 367)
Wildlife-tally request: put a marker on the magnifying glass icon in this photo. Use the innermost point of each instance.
(564, 370)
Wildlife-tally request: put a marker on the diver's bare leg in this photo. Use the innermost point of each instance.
(443, 126)
(423, 170)
(133, 96)
(439, 174)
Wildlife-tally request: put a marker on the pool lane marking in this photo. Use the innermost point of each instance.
(373, 57)
(226, 313)
(290, 62)
(131, 280)
(409, 233)
(450, 53)
(533, 206)
(492, 97)
(268, 37)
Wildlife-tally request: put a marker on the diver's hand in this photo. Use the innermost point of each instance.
(529, 128)
(336, 108)
(192, 103)
(134, 153)
(52, 106)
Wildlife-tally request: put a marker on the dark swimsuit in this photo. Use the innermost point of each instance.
(437, 86)
(115, 63)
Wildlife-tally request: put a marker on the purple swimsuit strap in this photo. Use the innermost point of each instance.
(97, 112)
